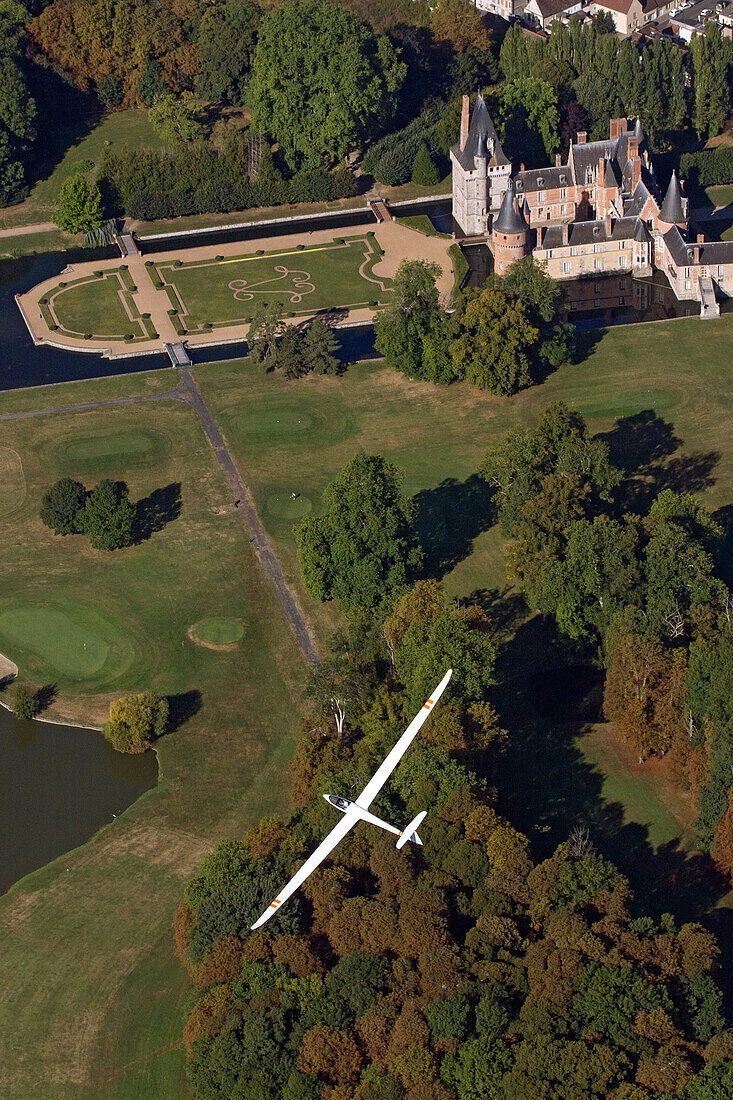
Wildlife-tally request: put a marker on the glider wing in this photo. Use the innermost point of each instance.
(326, 846)
(392, 759)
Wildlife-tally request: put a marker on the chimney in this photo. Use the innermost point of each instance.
(696, 253)
(540, 235)
(581, 137)
(558, 160)
(633, 147)
(521, 169)
(701, 238)
(618, 126)
(465, 120)
(565, 233)
(609, 226)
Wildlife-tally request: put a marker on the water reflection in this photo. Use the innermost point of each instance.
(58, 785)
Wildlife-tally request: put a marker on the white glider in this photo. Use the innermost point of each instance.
(359, 810)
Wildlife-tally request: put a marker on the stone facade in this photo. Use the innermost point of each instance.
(599, 213)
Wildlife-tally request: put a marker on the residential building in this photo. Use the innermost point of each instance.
(543, 13)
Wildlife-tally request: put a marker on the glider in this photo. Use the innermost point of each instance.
(359, 810)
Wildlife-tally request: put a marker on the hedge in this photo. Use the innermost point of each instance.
(708, 168)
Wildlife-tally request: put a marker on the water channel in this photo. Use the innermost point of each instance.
(58, 785)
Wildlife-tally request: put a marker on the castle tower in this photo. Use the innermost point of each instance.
(480, 170)
(510, 233)
(673, 210)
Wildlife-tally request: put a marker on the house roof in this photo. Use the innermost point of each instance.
(547, 8)
(551, 178)
(634, 206)
(509, 219)
(621, 6)
(683, 252)
(480, 132)
(622, 229)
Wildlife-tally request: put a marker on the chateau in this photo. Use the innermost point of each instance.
(599, 213)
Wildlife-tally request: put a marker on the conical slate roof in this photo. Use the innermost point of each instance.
(671, 211)
(638, 132)
(509, 219)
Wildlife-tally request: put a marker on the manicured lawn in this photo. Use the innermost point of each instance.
(101, 306)
(720, 196)
(93, 1000)
(225, 292)
(28, 244)
(97, 389)
(293, 436)
(423, 224)
(117, 129)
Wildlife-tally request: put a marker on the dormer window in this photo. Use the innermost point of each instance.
(596, 230)
(540, 181)
(563, 178)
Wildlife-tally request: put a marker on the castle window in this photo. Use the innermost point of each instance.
(596, 288)
(540, 196)
(566, 267)
(596, 264)
(622, 284)
(563, 191)
(549, 255)
(596, 248)
(622, 261)
(622, 244)
(573, 251)
(688, 284)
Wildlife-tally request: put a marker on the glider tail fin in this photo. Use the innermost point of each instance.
(410, 833)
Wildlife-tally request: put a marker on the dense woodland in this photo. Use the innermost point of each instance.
(468, 968)
(226, 81)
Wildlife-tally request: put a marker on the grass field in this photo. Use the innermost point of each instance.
(99, 305)
(93, 999)
(85, 156)
(292, 437)
(226, 291)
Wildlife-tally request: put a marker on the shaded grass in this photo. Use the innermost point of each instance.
(96, 389)
(85, 155)
(92, 997)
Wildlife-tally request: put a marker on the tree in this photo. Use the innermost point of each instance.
(265, 328)
(176, 119)
(411, 333)
(336, 686)
(79, 206)
(530, 118)
(226, 40)
(331, 1054)
(135, 721)
(363, 546)
(496, 343)
(26, 703)
(424, 171)
(320, 348)
(458, 23)
(63, 505)
(108, 517)
(317, 53)
(722, 847)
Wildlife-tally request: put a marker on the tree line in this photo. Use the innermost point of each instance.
(17, 106)
(464, 969)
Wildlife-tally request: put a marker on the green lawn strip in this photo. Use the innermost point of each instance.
(422, 224)
(93, 944)
(126, 278)
(721, 195)
(98, 389)
(316, 278)
(155, 278)
(29, 244)
(460, 269)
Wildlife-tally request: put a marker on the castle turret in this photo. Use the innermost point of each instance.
(672, 211)
(510, 233)
(480, 170)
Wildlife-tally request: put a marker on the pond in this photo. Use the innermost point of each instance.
(58, 786)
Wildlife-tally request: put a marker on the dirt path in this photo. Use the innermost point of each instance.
(188, 391)
(23, 230)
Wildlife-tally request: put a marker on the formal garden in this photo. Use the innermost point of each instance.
(224, 291)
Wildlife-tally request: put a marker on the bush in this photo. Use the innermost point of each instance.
(26, 703)
(62, 507)
(424, 171)
(136, 721)
(110, 92)
(79, 206)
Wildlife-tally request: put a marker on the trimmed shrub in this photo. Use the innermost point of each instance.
(26, 703)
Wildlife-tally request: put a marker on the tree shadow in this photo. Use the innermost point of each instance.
(65, 116)
(45, 696)
(641, 446)
(448, 519)
(724, 516)
(504, 607)
(182, 707)
(547, 786)
(155, 511)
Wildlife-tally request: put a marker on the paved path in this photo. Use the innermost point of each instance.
(187, 390)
